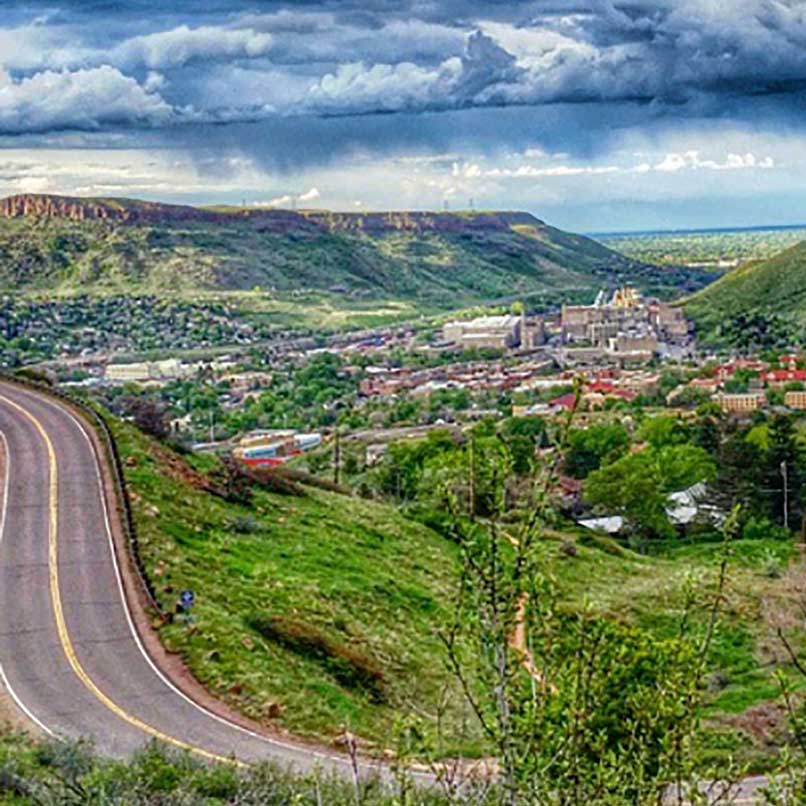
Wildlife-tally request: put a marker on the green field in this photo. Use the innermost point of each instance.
(763, 295)
(708, 248)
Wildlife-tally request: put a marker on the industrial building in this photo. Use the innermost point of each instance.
(503, 332)
(625, 324)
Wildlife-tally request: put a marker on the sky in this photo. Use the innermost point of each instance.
(595, 116)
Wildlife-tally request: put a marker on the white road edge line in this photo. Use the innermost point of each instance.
(3, 678)
(315, 754)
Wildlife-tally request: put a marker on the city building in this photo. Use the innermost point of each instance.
(626, 327)
(741, 402)
(503, 332)
(795, 400)
(778, 378)
(145, 371)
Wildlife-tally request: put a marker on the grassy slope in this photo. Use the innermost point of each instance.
(649, 591)
(777, 285)
(462, 263)
(369, 579)
(359, 572)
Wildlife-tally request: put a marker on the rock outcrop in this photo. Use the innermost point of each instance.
(281, 221)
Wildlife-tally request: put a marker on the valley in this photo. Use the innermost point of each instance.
(297, 442)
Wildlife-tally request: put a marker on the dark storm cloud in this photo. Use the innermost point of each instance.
(331, 68)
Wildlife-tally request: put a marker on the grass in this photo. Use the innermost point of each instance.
(287, 610)
(319, 613)
(33, 773)
(773, 286)
(650, 592)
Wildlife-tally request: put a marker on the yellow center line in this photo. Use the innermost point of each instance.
(58, 611)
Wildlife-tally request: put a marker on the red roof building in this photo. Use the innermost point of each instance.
(567, 402)
(780, 377)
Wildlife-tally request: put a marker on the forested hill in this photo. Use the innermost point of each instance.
(764, 299)
(123, 245)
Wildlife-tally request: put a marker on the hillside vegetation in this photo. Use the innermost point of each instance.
(317, 612)
(763, 290)
(320, 612)
(111, 245)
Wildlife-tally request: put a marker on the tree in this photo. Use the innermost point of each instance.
(663, 430)
(589, 448)
(633, 488)
(681, 466)
(150, 416)
(637, 485)
(523, 435)
(784, 476)
(577, 708)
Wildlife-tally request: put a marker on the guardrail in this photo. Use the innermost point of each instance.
(122, 499)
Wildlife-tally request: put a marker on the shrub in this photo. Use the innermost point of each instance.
(762, 528)
(348, 666)
(37, 376)
(245, 525)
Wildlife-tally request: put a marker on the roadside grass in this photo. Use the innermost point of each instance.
(320, 613)
(361, 579)
(50, 771)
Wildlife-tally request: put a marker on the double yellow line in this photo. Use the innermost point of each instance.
(58, 611)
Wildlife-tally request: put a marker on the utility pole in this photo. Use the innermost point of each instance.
(212, 425)
(472, 490)
(337, 458)
(786, 494)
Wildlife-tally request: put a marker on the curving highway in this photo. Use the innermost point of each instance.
(71, 657)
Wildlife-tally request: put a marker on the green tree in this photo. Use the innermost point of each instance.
(784, 476)
(663, 430)
(577, 708)
(589, 448)
(633, 488)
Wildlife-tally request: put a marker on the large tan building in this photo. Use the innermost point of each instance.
(740, 403)
(795, 400)
(145, 371)
(626, 316)
(498, 332)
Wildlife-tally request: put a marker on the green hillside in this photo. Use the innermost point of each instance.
(321, 611)
(324, 605)
(766, 296)
(120, 246)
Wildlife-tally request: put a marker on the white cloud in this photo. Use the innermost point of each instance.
(80, 99)
(278, 201)
(287, 200)
(309, 195)
(470, 79)
(691, 160)
(183, 44)
(32, 184)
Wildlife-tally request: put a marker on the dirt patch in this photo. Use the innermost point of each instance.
(764, 723)
(349, 666)
(176, 467)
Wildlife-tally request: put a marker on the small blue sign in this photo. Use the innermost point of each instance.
(186, 599)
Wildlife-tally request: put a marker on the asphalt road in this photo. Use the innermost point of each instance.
(70, 657)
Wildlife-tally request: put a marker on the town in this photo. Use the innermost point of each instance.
(622, 352)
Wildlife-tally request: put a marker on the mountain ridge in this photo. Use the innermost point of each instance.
(126, 210)
(69, 243)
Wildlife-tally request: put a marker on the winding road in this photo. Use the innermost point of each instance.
(71, 655)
